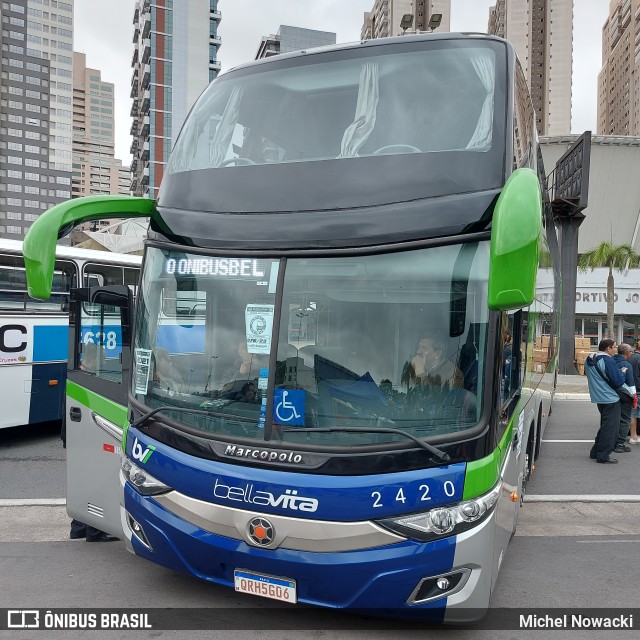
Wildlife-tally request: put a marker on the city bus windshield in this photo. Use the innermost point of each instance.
(438, 96)
(391, 341)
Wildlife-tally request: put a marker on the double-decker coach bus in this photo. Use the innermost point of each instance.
(331, 400)
(33, 333)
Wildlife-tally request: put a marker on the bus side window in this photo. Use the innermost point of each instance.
(99, 348)
(510, 375)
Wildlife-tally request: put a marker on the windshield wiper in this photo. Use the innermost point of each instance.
(441, 455)
(202, 412)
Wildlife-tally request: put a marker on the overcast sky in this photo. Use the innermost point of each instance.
(104, 30)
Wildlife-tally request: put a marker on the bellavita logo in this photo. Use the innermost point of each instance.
(141, 454)
(287, 500)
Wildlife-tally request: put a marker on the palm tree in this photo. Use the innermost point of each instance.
(606, 254)
(408, 375)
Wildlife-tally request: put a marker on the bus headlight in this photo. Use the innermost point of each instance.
(143, 483)
(441, 521)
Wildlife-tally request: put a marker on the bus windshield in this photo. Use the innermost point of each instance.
(390, 341)
(380, 101)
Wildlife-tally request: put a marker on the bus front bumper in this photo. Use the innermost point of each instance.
(388, 580)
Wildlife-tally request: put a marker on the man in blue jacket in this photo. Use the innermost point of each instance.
(627, 395)
(604, 378)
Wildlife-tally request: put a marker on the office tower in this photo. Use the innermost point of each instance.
(95, 169)
(175, 57)
(619, 78)
(384, 18)
(35, 110)
(293, 39)
(541, 32)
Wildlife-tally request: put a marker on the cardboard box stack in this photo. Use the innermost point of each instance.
(582, 350)
(540, 357)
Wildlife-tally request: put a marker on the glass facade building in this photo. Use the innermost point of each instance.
(175, 56)
(35, 110)
(293, 39)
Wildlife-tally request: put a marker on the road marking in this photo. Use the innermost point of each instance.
(581, 498)
(568, 441)
(34, 502)
(608, 541)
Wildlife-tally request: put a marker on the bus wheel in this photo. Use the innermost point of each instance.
(526, 472)
(527, 469)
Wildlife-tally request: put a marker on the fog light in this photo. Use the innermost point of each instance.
(138, 531)
(443, 584)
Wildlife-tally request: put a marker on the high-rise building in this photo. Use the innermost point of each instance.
(541, 32)
(175, 56)
(35, 110)
(293, 39)
(385, 16)
(619, 78)
(95, 169)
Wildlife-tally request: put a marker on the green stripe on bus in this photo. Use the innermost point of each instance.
(482, 474)
(104, 407)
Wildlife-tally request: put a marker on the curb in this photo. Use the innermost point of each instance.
(34, 502)
(572, 396)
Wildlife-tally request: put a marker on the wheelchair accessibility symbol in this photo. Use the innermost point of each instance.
(288, 406)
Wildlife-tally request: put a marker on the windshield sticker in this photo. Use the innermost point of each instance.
(288, 406)
(143, 370)
(263, 379)
(259, 326)
(263, 413)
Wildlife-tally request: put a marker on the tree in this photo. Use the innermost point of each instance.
(408, 375)
(606, 254)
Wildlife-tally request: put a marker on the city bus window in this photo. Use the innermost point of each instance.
(362, 342)
(512, 356)
(13, 286)
(100, 343)
(439, 99)
(212, 332)
(102, 274)
(367, 343)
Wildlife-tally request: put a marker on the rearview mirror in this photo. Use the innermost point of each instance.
(515, 242)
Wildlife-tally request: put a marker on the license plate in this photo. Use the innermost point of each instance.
(272, 587)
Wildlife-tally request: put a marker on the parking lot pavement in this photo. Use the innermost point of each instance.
(564, 468)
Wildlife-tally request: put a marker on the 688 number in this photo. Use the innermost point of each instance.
(107, 339)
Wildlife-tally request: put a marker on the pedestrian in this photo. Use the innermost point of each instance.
(604, 378)
(634, 362)
(627, 394)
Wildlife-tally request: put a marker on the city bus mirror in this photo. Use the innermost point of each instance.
(39, 246)
(113, 296)
(515, 242)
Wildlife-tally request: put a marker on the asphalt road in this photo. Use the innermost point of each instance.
(574, 548)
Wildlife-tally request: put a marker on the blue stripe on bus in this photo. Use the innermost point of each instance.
(50, 343)
(47, 397)
(290, 493)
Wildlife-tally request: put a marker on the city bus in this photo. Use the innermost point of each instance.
(340, 369)
(34, 333)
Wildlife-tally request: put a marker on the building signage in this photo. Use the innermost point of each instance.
(591, 293)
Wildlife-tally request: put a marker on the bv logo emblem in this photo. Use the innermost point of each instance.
(141, 454)
(260, 532)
